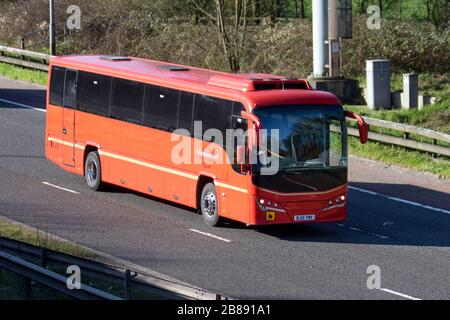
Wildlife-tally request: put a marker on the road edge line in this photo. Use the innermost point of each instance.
(22, 105)
(404, 201)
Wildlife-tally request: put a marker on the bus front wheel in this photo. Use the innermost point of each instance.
(93, 171)
(209, 205)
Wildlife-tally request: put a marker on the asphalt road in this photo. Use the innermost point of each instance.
(397, 220)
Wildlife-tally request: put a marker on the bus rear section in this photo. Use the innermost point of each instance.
(119, 121)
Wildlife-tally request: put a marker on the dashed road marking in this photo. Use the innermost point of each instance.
(60, 188)
(210, 235)
(362, 231)
(399, 294)
(400, 200)
(22, 105)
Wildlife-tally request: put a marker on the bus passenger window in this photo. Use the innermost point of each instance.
(214, 113)
(161, 108)
(93, 91)
(57, 86)
(127, 100)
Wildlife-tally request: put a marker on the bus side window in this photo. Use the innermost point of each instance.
(214, 113)
(57, 86)
(93, 93)
(70, 89)
(161, 108)
(237, 123)
(240, 127)
(127, 100)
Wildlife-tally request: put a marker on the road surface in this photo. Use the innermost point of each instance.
(397, 220)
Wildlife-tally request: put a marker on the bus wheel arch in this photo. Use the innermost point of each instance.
(208, 201)
(202, 181)
(92, 168)
(88, 149)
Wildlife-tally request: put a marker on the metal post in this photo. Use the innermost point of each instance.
(44, 263)
(334, 43)
(320, 36)
(27, 288)
(22, 42)
(52, 31)
(22, 46)
(127, 285)
(434, 155)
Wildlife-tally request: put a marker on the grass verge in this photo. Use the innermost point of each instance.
(41, 239)
(435, 117)
(17, 73)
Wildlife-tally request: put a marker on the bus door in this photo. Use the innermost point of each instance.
(68, 121)
(233, 203)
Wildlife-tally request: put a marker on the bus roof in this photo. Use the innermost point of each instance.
(256, 89)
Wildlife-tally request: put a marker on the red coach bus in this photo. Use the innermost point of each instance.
(113, 120)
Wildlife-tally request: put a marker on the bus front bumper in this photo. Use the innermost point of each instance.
(329, 207)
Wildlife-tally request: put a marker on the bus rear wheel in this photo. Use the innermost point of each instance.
(93, 171)
(209, 205)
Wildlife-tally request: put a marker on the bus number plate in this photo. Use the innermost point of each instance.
(305, 217)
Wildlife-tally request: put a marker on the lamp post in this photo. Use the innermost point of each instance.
(52, 31)
(320, 37)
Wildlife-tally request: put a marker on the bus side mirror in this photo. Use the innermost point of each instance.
(240, 158)
(362, 126)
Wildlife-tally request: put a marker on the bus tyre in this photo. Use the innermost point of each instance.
(209, 205)
(93, 171)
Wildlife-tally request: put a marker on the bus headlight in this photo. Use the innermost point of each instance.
(268, 205)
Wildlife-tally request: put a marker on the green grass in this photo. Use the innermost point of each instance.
(17, 73)
(394, 155)
(32, 236)
(435, 117)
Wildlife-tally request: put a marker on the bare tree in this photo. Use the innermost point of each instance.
(231, 18)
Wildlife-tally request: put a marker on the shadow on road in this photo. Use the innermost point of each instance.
(30, 97)
(371, 219)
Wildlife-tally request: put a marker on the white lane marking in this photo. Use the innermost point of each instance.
(22, 105)
(400, 200)
(399, 294)
(363, 231)
(60, 188)
(210, 235)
